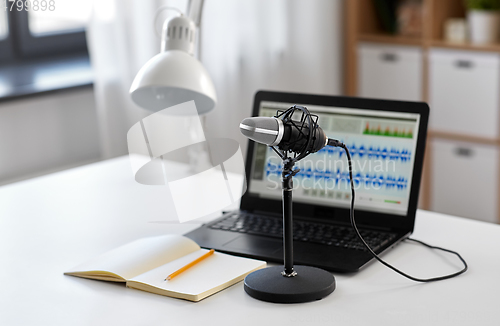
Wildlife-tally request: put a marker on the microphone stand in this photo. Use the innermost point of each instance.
(287, 185)
(293, 284)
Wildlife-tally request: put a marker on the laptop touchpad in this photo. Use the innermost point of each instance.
(254, 244)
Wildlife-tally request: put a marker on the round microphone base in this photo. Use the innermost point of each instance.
(309, 284)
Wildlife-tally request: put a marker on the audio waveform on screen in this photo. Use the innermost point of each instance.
(387, 130)
(370, 152)
(367, 179)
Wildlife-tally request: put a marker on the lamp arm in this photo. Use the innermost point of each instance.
(194, 11)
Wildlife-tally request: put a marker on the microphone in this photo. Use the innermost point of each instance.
(272, 131)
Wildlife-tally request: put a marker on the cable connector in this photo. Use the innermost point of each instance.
(334, 143)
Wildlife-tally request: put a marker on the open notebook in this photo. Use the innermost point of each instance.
(145, 263)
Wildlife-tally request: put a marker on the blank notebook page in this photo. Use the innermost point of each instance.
(214, 271)
(140, 256)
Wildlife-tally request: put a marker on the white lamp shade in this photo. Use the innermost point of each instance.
(170, 78)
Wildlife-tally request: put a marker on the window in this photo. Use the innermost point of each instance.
(43, 46)
(70, 17)
(32, 29)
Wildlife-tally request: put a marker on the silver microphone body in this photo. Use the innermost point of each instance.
(264, 130)
(272, 131)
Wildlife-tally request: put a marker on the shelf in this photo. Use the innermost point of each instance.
(466, 46)
(404, 40)
(462, 137)
(390, 39)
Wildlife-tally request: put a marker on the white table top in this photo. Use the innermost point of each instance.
(50, 224)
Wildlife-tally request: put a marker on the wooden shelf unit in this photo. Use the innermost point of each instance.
(362, 25)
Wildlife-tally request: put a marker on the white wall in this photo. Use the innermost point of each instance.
(284, 45)
(47, 133)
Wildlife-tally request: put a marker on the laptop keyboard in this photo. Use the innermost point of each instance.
(326, 234)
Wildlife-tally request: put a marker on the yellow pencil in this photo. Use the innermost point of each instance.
(191, 264)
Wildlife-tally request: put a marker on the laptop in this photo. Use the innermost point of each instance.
(386, 140)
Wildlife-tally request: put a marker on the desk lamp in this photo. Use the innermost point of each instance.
(174, 75)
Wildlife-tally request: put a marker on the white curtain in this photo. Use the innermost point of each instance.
(289, 45)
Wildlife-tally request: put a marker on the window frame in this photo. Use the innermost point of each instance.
(6, 46)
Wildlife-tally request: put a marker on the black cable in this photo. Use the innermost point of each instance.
(333, 142)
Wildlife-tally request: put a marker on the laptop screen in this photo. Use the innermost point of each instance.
(382, 146)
